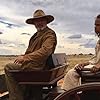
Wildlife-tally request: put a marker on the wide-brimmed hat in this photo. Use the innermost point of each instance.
(39, 14)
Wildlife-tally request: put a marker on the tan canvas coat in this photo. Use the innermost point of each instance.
(41, 45)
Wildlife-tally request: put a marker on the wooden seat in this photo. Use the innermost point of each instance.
(87, 76)
(43, 77)
(46, 77)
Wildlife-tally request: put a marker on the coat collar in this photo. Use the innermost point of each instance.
(41, 32)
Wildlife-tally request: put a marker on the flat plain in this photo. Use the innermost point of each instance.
(72, 59)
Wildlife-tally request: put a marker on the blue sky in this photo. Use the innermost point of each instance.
(73, 24)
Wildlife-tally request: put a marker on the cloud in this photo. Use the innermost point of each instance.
(73, 24)
(11, 45)
(12, 48)
(0, 42)
(75, 36)
(25, 34)
(66, 19)
(5, 51)
(9, 25)
(89, 44)
(53, 24)
(42, 3)
(22, 45)
(1, 32)
(60, 46)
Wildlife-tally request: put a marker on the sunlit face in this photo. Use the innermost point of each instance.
(97, 26)
(40, 24)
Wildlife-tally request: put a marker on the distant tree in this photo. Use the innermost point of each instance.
(81, 54)
(90, 54)
(75, 54)
(1, 32)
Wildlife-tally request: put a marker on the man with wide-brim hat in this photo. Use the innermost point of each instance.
(41, 45)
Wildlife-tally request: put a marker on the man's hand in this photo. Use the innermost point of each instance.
(81, 65)
(19, 60)
(95, 68)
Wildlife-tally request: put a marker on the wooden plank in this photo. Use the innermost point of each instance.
(87, 76)
(44, 83)
(4, 94)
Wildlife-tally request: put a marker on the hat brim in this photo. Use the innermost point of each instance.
(49, 19)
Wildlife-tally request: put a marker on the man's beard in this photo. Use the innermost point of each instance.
(40, 29)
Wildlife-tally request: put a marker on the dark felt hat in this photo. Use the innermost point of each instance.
(40, 14)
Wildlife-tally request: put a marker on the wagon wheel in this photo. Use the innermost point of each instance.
(89, 91)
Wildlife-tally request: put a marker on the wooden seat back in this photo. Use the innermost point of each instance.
(87, 76)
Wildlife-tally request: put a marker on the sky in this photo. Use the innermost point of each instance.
(73, 24)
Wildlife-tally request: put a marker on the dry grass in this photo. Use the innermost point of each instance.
(5, 60)
(75, 59)
(72, 60)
